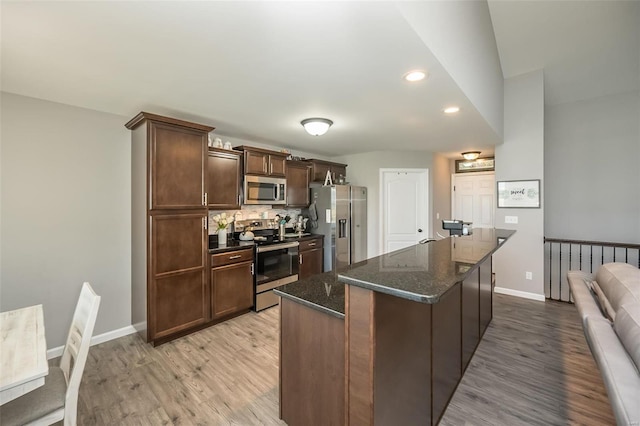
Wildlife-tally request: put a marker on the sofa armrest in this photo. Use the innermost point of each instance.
(620, 376)
(583, 297)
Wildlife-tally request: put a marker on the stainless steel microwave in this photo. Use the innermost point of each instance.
(264, 190)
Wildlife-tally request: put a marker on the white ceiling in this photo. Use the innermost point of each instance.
(586, 48)
(255, 69)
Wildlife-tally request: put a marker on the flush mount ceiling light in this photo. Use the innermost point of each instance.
(415, 75)
(316, 126)
(471, 155)
(451, 110)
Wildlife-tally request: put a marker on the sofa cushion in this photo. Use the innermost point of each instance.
(619, 283)
(627, 327)
(605, 305)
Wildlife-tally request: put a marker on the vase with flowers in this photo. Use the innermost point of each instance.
(222, 221)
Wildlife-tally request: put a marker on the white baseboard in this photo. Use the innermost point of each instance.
(518, 293)
(100, 338)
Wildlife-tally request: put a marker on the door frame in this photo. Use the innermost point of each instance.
(382, 196)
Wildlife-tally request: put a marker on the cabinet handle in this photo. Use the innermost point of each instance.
(270, 168)
(237, 256)
(204, 222)
(205, 199)
(312, 244)
(252, 269)
(300, 259)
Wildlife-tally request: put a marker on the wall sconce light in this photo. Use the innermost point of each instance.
(316, 126)
(471, 155)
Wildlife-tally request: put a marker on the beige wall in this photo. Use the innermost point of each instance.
(592, 153)
(521, 157)
(364, 170)
(65, 212)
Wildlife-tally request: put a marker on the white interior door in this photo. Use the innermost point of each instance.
(474, 198)
(404, 207)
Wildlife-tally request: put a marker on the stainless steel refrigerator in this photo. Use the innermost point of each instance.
(342, 219)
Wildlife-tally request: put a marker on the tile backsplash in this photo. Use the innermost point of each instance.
(252, 212)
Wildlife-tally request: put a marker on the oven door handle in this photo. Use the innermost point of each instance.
(272, 247)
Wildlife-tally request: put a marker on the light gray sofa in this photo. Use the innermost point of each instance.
(609, 305)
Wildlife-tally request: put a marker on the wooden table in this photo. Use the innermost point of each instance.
(23, 352)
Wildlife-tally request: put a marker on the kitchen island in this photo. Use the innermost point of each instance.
(386, 341)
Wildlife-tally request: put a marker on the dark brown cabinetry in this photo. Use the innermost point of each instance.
(178, 243)
(231, 283)
(319, 169)
(298, 174)
(224, 179)
(263, 162)
(310, 257)
(177, 166)
(169, 226)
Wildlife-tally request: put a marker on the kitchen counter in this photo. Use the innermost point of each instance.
(322, 292)
(425, 272)
(231, 246)
(238, 244)
(386, 340)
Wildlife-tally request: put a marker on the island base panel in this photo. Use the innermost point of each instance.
(402, 361)
(446, 350)
(311, 366)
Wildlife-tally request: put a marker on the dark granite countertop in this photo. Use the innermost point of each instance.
(231, 246)
(322, 292)
(424, 272)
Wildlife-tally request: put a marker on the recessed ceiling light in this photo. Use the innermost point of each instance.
(415, 75)
(451, 110)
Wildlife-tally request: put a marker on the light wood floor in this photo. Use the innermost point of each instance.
(532, 367)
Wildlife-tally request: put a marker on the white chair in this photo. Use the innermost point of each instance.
(57, 399)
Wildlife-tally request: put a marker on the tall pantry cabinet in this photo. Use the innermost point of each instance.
(168, 226)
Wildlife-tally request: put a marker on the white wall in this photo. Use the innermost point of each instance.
(521, 157)
(364, 170)
(65, 209)
(592, 159)
(460, 34)
(441, 192)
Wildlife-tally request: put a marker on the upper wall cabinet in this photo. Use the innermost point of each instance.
(224, 179)
(177, 158)
(298, 173)
(319, 169)
(263, 162)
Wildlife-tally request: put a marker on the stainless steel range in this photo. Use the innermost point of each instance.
(276, 262)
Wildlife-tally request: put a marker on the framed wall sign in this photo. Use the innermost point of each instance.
(519, 194)
(477, 165)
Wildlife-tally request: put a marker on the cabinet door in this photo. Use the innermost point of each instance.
(255, 163)
(310, 263)
(320, 172)
(297, 184)
(177, 297)
(177, 167)
(337, 171)
(223, 180)
(277, 165)
(231, 289)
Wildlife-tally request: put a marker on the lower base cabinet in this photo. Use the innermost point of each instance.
(231, 282)
(310, 257)
(231, 289)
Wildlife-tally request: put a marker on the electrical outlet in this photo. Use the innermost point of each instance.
(511, 219)
(528, 275)
(437, 215)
